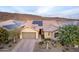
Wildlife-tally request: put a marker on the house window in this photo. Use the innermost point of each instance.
(56, 34)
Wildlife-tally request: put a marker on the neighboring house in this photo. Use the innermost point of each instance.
(3, 23)
(11, 24)
(59, 23)
(28, 33)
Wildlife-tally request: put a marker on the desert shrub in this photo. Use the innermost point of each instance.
(69, 35)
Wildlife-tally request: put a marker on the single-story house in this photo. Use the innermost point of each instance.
(28, 33)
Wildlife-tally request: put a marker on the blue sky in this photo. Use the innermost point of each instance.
(48, 11)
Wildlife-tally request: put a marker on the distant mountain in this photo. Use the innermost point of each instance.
(23, 17)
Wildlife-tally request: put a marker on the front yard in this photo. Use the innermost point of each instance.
(54, 48)
(37, 48)
(8, 39)
(8, 47)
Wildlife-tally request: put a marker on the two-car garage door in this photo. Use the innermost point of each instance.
(29, 35)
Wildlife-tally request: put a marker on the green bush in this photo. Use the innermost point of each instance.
(4, 34)
(40, 43)
(47, 39)
(69, 35)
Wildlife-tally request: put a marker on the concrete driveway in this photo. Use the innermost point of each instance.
(25, 45)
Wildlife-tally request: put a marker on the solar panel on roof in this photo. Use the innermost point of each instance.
(40, 23)
(11, 26)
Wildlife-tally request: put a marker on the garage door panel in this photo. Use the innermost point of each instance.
(29, 35)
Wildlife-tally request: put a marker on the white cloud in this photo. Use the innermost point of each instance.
(43, 10)
(47, 11)
(70, 12)
(21, 10)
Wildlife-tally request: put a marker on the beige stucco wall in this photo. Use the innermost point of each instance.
(47, 34)
(28, 30)
(51, 36)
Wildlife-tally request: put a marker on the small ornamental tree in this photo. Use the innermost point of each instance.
(69, 35)
(14, 34)
(3, 35)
